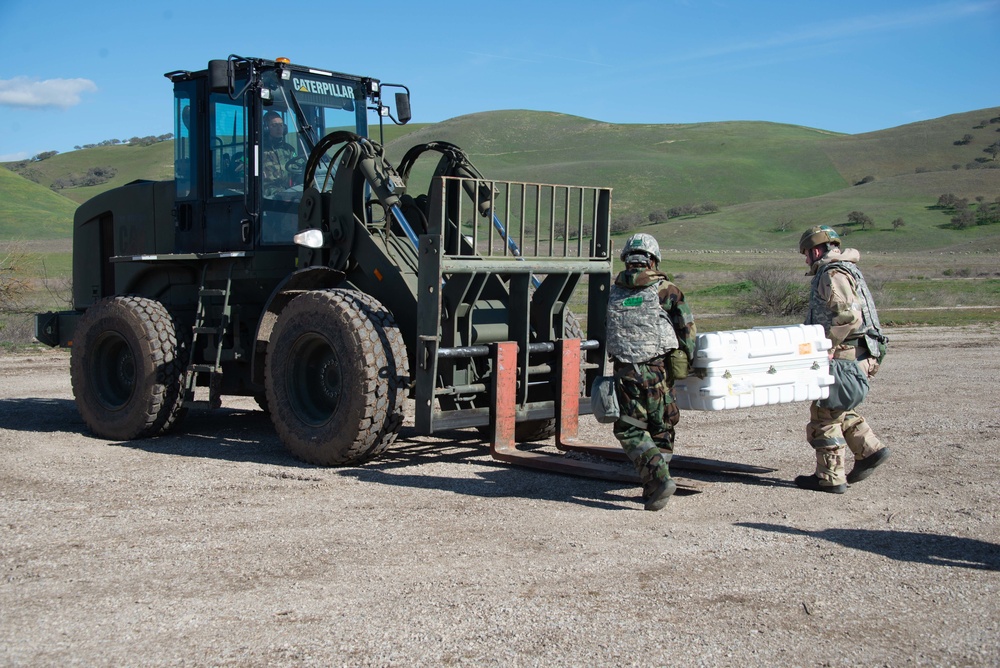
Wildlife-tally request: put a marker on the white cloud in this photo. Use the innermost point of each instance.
(852, 27)
(12, 157)
(25, 92)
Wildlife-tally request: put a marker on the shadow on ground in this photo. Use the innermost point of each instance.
(921, 548)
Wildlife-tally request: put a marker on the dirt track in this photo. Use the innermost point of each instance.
(212, 547)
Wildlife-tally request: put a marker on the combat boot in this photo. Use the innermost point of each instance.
(829, 476)
(815, 484)
(657, 493)
(658, 486)
(865, 467)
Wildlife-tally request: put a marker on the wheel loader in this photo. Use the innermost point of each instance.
(289, 261)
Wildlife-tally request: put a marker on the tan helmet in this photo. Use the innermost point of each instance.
(816, 235)
(641, 243)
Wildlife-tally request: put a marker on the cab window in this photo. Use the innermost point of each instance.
(228, 136)
(185, 164)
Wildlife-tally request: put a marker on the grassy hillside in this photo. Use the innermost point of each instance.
(155, 162)
(758, 225)
(925, 146)
(649, 166)
(32, 211)
(765, 176)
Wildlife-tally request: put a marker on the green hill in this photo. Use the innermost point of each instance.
(769, 179)
(154, 162)
(649, 166)
(32, 211)
(925, 146)
(911, 197)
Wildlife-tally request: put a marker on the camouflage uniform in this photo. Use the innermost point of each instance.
(841, 302)
(645, 388)
(274, 171)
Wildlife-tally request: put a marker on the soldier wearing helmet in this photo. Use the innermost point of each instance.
(651, 342)
(841, 301)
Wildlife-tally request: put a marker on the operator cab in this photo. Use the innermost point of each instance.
(243, 130)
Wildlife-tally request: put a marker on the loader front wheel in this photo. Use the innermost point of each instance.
(126, 368)
(336, 377)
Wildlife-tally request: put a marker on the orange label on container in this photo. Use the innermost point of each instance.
(805, 348)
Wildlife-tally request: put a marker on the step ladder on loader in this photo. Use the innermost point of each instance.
(212, 319)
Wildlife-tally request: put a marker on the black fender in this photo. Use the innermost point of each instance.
(303, 280)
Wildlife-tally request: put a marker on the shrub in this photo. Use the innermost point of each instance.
(94, 176)
(773, 292)
(13, 281)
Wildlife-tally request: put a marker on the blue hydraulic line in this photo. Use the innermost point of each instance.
(515, 251)
(411, 235)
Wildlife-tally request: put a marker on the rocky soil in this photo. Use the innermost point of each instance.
(211, 546)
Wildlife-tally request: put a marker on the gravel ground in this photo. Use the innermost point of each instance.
(212, 546)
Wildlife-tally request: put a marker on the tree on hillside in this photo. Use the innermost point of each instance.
(626, 222)
(43, 156)
(94, 176)
(966, 139)
(658, 216)
(988, 214)
(964, 219)
(898, 223)
(858, 218)
(867, 179)
(993, 149)
(951, 201)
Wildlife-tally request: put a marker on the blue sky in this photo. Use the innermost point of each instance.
(79, 73)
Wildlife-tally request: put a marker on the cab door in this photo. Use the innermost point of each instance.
(227, 211)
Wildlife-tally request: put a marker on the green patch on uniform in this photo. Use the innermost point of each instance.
(632, 301)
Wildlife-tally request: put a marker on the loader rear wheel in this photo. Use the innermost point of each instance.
(127, 368)
(336, 377)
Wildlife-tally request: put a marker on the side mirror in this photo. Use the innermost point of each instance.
(403, 108)
(219, 79)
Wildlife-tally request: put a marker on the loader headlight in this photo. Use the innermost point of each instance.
(309, 238)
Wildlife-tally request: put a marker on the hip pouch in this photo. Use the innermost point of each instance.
(850, 386)
(677, 362)
(604, 400)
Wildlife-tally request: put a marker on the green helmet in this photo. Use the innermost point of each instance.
(816, 235)
(641, 243)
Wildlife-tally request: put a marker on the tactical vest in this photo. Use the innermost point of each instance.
(819, 314)
(638, 327)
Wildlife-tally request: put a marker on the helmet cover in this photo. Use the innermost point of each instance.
(641, 243)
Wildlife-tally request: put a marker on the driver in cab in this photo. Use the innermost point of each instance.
(275, 155)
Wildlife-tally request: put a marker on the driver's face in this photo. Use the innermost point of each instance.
(276, 127)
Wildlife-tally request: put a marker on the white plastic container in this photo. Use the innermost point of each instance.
(757, 367)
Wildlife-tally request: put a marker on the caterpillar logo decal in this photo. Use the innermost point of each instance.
(323, 88)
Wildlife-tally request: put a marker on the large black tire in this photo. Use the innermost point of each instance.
(336, 377)
(127, 368)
